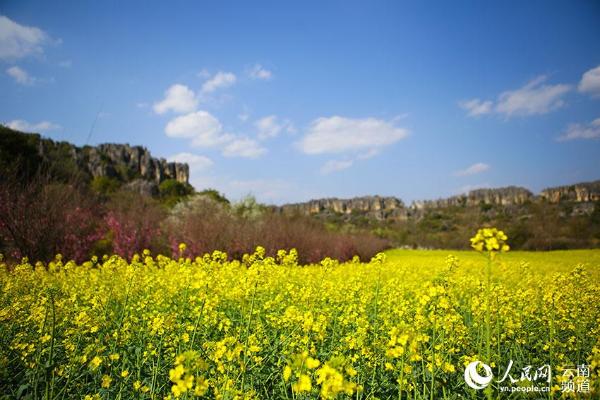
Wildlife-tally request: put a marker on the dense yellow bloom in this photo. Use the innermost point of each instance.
(490, 240)
(267, 327)
(201, 386)
(303, 384)
(312, 363)
(287, 372)
(95, 363)
(106, 381)
(332, 382)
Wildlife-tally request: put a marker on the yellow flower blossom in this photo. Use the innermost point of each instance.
(303, 384)
(225, 326)
(106, 381)
(95, 363)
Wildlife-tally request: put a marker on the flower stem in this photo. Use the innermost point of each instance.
(488, 321)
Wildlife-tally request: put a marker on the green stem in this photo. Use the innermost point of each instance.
(245, 358)
(432, 356)
(49, 366)
(374, 327)
(488, 317)
(38, 357)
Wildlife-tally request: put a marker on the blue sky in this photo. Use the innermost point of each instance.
(292, 101)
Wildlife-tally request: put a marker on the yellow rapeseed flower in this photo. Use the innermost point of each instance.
(303, 384)
(106, 381)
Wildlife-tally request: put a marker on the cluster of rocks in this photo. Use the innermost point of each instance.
(511, 195)
(122, 161)
(580, 193)
(374, 206)
(383, 208)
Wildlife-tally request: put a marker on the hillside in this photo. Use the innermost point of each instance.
(383, 208)
(105, 164)
(556, 218)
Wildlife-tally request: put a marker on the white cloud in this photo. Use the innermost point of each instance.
(271, 126)
(339, 134)
(582, 131)
(268, 127)
(219, 80)
(533, 98)
(590, 82)
(18, 41)
(201, 127)
(205, 130)
(259, 72)
(476, 107)
(243, 147)
(178, 98)
(20, 76)
(65, 64)
(476, 168)
(196, 162)
(336, 165)
(24, 126)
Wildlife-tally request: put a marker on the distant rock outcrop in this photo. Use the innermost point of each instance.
(132, 166)
(107, 159)
(122, 161)
(374, 206)
(579, 192)
(511, 195)
(392, 208)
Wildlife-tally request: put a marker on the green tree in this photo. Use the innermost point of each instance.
(105, 185)
(172, 191)
(215, 195)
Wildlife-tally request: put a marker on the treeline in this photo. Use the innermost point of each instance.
(538, 225)
(41, 216)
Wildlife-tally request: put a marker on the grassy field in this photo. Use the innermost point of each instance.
(402, 326)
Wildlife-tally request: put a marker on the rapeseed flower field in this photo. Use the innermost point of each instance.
(403, 325)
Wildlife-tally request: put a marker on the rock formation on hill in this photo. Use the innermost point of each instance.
(120, 161)
(112, 159)
(579, 192)
(375, 206)
(511, 195)
(384, 208)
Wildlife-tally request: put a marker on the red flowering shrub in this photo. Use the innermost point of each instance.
(134, 221)
(39, 219)
(204, 225)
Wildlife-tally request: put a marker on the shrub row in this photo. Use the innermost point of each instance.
(42, 218)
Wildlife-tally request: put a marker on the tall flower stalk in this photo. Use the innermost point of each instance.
(489, 241)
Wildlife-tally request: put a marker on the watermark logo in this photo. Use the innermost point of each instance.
(576, 379)
(479, 375)
(474, 379)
